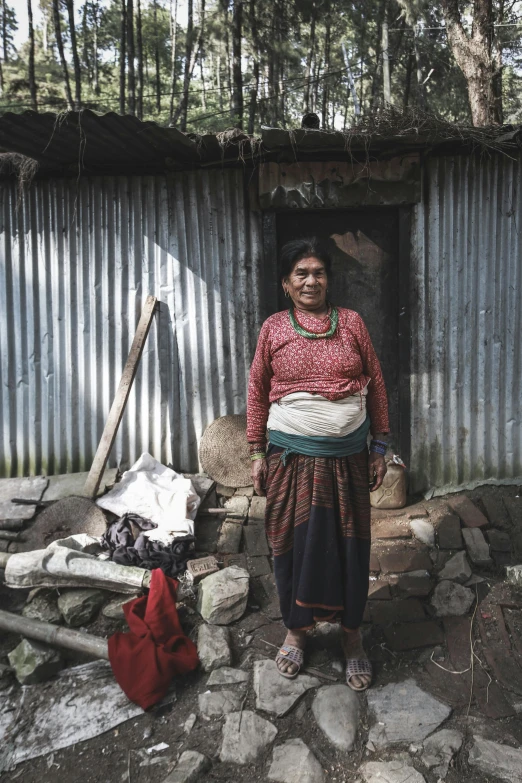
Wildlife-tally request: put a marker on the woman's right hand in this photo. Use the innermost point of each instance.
(259, 474)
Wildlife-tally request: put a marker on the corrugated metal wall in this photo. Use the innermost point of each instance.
(77, 259)
(466, 360)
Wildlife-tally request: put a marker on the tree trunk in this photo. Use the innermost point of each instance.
(256, 48)
(421, 89)
(139, 52)
(407, 86)
(237, 95)
(59, 44)
(182, 109)
(309, 58)
(326, 81)
(131, 58)
(123, 52)
(218, 82)
(173, 43)
(473, 54)
(157, 58)
(76, 59)
(32, 78)
(95, 70)
(5, 43)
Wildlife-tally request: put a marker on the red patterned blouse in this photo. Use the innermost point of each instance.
(335, 367)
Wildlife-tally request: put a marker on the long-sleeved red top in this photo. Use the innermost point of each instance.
(335, 367)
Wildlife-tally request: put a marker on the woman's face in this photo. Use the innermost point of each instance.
(307, 283)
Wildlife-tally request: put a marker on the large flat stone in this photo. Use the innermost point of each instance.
(448, 532)
(403, 561)
(214, 704)
(414, 586)
(79, 607)
(496, 511)
(222, 597)
(294, 762)
(230, 537)
(501, 761)
(404, 713)
(451, 599)
(245, 737)
(214, 647)
(390, 528)
(228, 676)
(238, 505)
(31, 488)
(439, 749)
(277, 694)
(256, 543)
(411, 636)
(499, 540)
(189, 769)
(258, 566)
(336, 710)
(396, 771)
(401, 610)
(256, 513)
(457, 569)
(68, 484)
(477, 546)
(470, 515)
(379, 591)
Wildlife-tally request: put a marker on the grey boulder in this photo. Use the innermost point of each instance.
(227, 676)
(439, 749)
(294, 762)
(190, 767)
(43, 607)
(223, 596)
(218, 703)
(404, 713)
(501, 761)
(79, 607)
(245, 737)
(278, 694)
(214, 647)
(396, 771)
(450, 599)
(336, 710)
(457, 569)
(34, 662)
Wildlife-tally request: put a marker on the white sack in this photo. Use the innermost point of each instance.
(61, 566)
(155, 492)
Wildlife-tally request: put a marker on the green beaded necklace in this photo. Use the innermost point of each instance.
(334, 318)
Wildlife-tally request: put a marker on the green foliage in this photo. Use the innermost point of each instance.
(281, 40)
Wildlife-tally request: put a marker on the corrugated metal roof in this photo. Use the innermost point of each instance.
(77, 261)
(466, 373)
(87, 143)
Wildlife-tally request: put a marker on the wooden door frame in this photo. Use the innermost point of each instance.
(270, 291)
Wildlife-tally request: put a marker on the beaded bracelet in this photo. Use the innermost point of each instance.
(380, 442)
(377, 447)
(258, 455)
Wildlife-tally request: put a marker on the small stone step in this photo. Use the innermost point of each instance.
(448, 532)
(402, 561)
(470, 515)
(477, 546)
(414, 586)
(405, 610)
(255, 540)
(496, 512)
(410, 636)
(390, 528)
(379, 591)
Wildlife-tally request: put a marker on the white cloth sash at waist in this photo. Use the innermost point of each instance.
(302, 413)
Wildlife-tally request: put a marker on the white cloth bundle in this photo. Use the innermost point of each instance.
(302, 413)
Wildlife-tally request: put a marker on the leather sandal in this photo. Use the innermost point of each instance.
(356, 667)
(293, 654)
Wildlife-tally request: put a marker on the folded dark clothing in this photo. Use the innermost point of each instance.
(126, 549)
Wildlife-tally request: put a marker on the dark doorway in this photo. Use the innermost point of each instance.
(364, 245)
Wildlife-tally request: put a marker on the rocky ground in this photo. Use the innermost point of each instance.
(443, 630)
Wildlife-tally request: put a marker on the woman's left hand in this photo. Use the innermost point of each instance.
(376, 470)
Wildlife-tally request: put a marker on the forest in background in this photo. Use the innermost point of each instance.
(204, 65)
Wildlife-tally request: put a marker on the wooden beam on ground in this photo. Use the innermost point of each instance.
(120, 400)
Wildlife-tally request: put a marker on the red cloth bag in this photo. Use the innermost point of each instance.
(145, 660)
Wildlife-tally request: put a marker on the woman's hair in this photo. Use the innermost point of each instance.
(297, 249)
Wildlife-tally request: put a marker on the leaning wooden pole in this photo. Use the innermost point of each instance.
(54, 635)
(120, 400)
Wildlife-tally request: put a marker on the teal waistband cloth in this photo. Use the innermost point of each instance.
(313, 446)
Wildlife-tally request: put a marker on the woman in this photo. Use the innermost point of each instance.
(316, 385)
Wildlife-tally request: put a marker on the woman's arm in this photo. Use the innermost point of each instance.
(258, 405)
